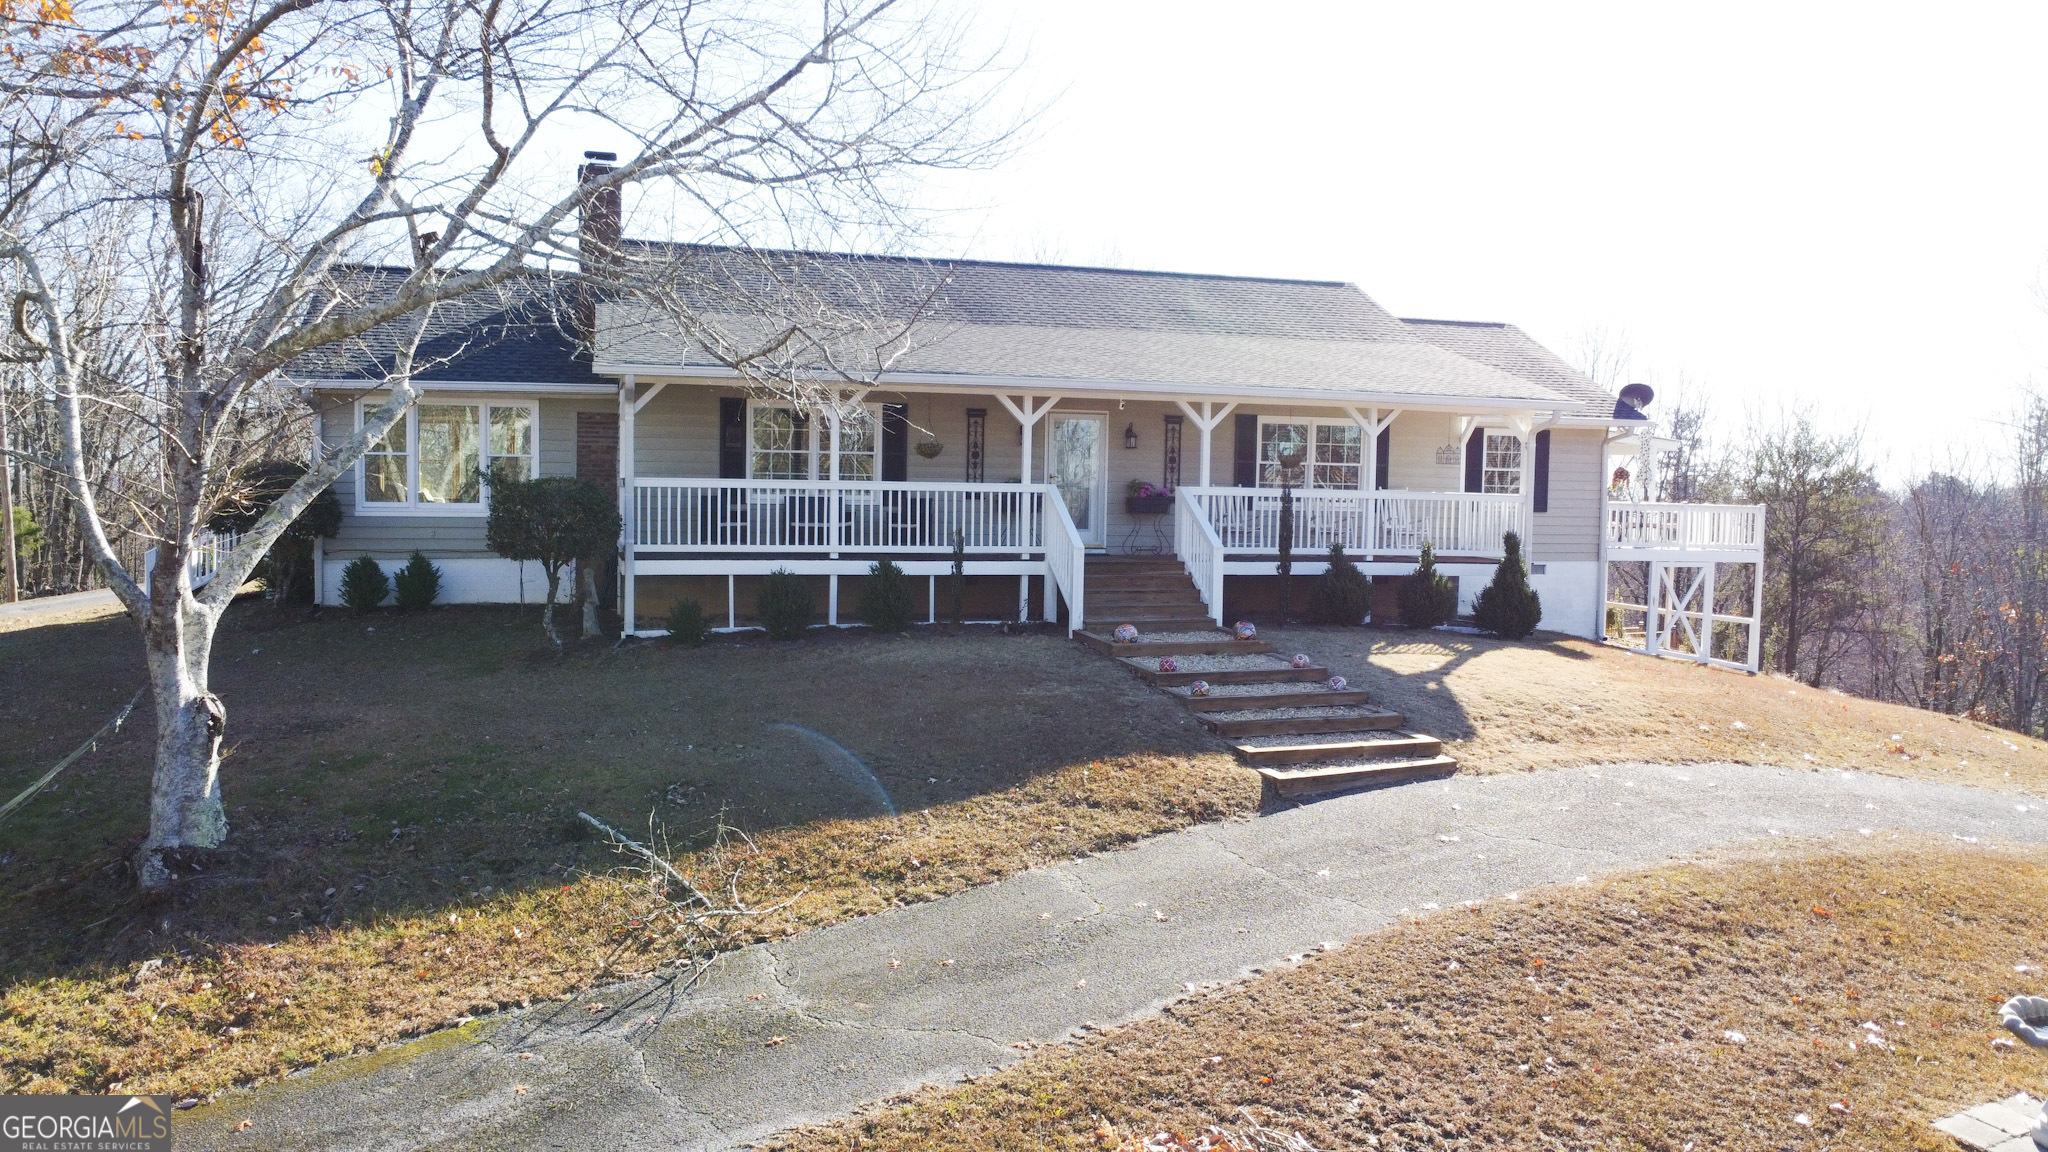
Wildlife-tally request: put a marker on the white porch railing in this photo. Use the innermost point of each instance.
(1700, 572)
(1066, 562)
(822, 516)
(204, 561)
(1366, 523)
(1686, 527)
(1200, 550)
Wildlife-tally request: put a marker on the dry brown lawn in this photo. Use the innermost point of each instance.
(402, 794)
(1863, 988)
(1557, 700)
(402, 790)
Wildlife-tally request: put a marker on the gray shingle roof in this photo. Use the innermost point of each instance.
(1074, 325)
(514, 334)
(1512, 350)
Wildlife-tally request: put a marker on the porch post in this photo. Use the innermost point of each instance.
(1206, 420)
(628, 390)
(1526, 428)
(832, 493)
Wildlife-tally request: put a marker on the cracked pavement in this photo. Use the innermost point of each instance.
(1042, 956)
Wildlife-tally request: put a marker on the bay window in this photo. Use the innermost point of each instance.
(1334, 452)
(442, 456)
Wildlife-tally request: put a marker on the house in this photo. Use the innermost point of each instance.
(1007, 410)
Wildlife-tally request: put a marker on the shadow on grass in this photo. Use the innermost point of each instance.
(391, 765)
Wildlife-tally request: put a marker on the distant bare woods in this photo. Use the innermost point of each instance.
(1933, 594)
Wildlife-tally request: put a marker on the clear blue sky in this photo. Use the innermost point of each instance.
(1838, 205)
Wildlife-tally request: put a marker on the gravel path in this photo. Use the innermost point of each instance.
(811, 1027)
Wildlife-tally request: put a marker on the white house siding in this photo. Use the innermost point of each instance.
(470, 571)
(1570, 530)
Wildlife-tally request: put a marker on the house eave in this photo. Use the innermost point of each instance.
(527, 387)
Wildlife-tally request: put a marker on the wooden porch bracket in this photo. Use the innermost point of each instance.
(1206, 420)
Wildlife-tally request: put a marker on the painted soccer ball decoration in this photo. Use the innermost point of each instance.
(1337, 683)
(1125, 634)
(1301, 660)
(1246, 630)
(1168, 664)
(1199, 688)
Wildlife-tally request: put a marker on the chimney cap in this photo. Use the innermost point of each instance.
(609, 156)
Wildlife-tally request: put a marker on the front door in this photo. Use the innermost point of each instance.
(1075, 465)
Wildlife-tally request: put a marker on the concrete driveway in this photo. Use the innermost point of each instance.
(1039, 956)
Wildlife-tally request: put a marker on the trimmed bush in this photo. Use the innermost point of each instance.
(364, 585)
(1427, 599)
(886, 602)
(785, 606)
(687, 623)
(557, 521)
(1342, 594)
(1508, 607)
(418, 583)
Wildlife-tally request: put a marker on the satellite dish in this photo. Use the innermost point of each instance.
(1638, 396)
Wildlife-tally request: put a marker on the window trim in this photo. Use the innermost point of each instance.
(817, 448)
(412, 506)
(1486, 438)
(1308, 465)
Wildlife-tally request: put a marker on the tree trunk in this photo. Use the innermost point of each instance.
(185, 812)
(592, 629)
(547, 612)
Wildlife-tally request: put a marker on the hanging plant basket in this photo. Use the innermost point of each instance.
(930, 449)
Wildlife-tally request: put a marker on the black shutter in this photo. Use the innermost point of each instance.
(732, 438)
(1542, 493)
(895, 441)
(1246, 472)
(1475, 461)
(1379, 457)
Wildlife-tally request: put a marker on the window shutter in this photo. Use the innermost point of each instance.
(1475, 461)
(1245, 473)
(732, 438)
(1542, 493)
(1379, 457)
(895, 441)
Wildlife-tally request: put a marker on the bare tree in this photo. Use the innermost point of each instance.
(218, 176)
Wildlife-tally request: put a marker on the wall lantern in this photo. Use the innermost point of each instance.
(1130, 435)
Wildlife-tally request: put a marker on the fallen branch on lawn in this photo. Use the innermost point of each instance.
(670, 880)
(91, 742)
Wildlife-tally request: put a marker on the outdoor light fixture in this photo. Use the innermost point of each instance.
(1130, 435)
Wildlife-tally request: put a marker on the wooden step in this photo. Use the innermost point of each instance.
(1137, 605)
(1284, 698)
(1405, 746)
(1288, 783)
(1304, 725)
(1167, 623)
(1224, 642)
(1282, 675)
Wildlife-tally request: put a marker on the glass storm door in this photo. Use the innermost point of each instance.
(1075, 466)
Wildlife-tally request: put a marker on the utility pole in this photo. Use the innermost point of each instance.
(7, 507)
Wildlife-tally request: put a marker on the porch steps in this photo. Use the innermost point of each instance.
(1303, 737)
(1224, 642)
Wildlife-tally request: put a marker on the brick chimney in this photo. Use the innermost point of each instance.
(597, 232)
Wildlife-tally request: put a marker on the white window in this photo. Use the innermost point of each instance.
(1333, 452)
(439, 458)
(786, 445)
(1501, 471)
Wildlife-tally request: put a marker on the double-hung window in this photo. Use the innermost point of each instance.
(787, 445)
(442, 456)
(1333, 452)
(1501, 470)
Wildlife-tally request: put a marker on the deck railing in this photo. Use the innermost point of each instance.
(1366, 523)
(1066, 562)
(822, 516)
(202, 562)
(1686, 527)
(1200, 550)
